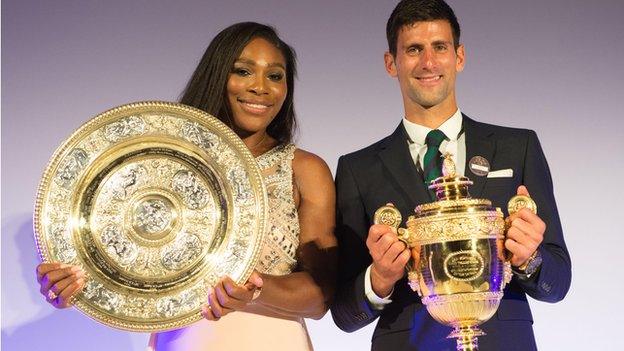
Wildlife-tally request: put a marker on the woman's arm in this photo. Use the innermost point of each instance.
(308, 291)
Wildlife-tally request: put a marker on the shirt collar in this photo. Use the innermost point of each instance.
(451, 128)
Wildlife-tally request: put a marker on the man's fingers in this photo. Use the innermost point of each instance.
(376, 231)
(521, 237)
(520, 252)
(522, 190)
(403, 258)
(394, 251)
(531, 218)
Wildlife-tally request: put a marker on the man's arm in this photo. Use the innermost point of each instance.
(351, 310)
(552, 282)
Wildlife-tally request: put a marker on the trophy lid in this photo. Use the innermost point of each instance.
(450, 186)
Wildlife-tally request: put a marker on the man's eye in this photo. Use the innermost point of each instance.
(440, 47)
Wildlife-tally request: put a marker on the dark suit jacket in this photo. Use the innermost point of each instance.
(384, 172)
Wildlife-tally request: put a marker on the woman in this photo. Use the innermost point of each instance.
(246, 78)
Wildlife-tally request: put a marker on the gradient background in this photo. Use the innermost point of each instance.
(553, 66)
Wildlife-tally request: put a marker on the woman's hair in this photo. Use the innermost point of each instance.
(207, 88)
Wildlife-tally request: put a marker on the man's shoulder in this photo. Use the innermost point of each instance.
(499, 131)
(366, 153)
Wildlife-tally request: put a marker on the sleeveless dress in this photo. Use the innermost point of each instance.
(263, 330)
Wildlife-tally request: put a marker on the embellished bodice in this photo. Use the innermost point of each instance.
(279, 251)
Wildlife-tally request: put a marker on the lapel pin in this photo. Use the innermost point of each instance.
(479, 166)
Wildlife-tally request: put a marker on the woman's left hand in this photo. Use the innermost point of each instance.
(227, 296)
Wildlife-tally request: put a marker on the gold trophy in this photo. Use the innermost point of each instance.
(459, 266)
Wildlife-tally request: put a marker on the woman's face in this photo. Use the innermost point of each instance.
(256, 87)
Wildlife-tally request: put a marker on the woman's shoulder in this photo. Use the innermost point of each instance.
(313, 178)
(307, 161)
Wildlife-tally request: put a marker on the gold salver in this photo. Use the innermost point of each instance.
(156, 201)
(459, 265)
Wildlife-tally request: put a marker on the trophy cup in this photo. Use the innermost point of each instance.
(458, 266)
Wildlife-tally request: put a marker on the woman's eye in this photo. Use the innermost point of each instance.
(276, 76)
(241, 72)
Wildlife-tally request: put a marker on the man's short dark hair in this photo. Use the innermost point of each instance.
(408, 12)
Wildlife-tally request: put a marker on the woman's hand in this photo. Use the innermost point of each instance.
(59, 282)
(227, 296)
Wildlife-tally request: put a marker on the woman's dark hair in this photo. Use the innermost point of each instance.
(408, 12)
(207, 87)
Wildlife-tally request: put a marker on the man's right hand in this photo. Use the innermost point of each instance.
(390, 255)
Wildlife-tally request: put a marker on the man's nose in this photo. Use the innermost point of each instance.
(428, 59)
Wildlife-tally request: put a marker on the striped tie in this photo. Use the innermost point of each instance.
(432, 164)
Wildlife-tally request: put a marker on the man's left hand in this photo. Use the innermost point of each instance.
(525, 234)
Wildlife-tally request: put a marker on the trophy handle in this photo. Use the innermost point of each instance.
(391, 216)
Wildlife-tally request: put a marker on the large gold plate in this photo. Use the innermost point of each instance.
(155, 201)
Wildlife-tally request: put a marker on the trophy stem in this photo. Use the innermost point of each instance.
(466, 337)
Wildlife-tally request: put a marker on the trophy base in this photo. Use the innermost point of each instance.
(466, 337)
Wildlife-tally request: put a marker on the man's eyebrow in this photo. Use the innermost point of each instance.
(253, 63)
(414, 45)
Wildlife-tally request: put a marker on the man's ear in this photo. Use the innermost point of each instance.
(461, 58)
(389, 63)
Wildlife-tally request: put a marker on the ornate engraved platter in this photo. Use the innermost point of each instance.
(155, 201)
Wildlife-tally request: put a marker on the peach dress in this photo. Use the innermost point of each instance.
(261, 330)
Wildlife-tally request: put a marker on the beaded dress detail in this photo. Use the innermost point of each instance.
(252, 331)
(278, 256)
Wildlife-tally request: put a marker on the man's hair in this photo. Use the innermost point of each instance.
(207, 88)
(408, 12)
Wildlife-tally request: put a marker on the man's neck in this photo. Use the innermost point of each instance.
(431, 117)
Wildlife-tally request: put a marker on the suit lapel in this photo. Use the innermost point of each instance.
(395, 156)
(478, 143)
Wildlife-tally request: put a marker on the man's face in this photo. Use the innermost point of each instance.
(426, 64)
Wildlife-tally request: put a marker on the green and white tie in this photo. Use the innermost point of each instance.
(432, 163)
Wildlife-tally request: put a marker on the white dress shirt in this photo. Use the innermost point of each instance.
(455, 144)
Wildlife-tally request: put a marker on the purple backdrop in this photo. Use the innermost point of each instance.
(552, 66)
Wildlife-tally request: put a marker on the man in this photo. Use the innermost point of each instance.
(425, 56)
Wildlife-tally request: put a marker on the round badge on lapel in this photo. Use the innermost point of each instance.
(479, 166)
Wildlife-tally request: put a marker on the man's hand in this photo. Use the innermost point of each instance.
(390, 255)
(525, 234)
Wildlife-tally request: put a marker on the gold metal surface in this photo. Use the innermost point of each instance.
(461, 269)
(519, 202)
(155, 201)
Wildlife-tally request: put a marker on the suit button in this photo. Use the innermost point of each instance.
(546, 287)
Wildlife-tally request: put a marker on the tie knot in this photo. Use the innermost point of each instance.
(435, 138)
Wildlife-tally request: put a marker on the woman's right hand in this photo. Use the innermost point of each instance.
(59, 282)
